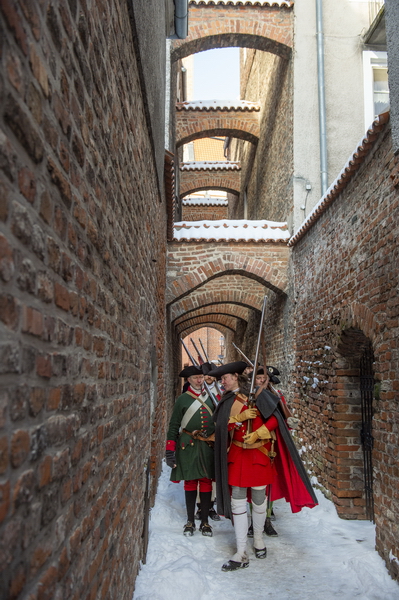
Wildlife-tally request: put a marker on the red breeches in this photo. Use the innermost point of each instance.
(205, 485)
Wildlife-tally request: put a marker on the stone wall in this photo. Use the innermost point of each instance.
(82, 273)
(346, 297)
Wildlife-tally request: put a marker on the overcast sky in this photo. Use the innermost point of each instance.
(216, 74)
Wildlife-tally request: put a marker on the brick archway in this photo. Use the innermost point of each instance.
(225, 180)
(267, 28)
(223, 308)
(251, 297)
(223, 330)
(238, 121)
(266, 264)
(208, 321)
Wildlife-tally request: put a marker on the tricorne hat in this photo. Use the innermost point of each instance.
(234, 367)
(190, 371)
(206, 367)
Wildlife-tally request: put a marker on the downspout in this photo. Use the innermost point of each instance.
(181, 18)
(322, 97)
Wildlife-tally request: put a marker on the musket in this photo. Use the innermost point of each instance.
(243, 355)
(200, 356)
(196, 349)
(188, 353)
(195, 363)
(251, 397)
(203, 349)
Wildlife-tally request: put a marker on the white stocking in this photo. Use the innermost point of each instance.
(258, 520)
(239, 510)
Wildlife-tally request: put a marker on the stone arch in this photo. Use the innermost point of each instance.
(225, 131)
(231, 310)
(235, 121)
(207, 321)
(267, 267)
(231, 39)
(268, 28)
(233, 296)
(223, 330)
(200, 188)
(225, 180)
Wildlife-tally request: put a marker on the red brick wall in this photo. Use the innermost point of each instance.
(82, 275)
(346, 282)
(193, 124)
(267, 169)
(268, 28)
(204, 213)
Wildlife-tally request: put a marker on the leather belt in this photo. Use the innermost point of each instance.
(258, 446)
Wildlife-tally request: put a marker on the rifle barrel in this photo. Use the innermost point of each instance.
(195, 363)
(203, 349)
(206, 386)
(243, 355)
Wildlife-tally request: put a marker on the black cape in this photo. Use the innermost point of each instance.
(268, 405)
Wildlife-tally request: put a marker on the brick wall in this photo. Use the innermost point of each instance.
(268, 28)
(204, 213)
(267, 169)
(82, 275)
(346, 282)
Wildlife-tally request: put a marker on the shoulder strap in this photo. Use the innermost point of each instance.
(190, 412)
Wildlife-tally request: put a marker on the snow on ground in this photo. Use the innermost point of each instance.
(317, 556)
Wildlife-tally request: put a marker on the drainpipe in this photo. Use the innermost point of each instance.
(322, 98)
(181, 18)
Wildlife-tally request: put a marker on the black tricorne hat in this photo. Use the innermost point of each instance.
(234, 367)
(272, 372)
(190, 371)
(206, 367)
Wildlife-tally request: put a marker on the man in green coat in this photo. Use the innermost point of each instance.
(189, 448)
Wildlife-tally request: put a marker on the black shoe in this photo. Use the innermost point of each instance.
(189, 528)
(232, 565)
(269, 529)
(272, 516)
(260, 553)
(250, 531)
(213, 515)
(206, 529)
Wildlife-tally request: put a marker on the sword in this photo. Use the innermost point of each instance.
(251, 397)
(243, 355)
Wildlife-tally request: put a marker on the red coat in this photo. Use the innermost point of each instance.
(250, 467)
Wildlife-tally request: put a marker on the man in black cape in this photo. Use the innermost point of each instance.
(291, 481)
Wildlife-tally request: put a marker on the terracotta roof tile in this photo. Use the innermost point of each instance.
(260, 3)
(343, 178)
(226, 230)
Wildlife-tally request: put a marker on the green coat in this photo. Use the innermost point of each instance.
(194, 458)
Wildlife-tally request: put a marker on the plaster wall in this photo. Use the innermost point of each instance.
(343, 24)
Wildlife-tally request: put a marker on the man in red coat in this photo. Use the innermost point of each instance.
(251, 445)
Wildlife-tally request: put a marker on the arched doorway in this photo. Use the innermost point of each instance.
(354, 410)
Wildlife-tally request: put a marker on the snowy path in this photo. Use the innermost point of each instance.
(317, 556)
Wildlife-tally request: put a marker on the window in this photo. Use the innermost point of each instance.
(376, 92)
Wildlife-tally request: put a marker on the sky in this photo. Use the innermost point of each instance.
(316, 556)
(216, 74)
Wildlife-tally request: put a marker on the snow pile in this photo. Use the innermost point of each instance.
(243, 105)
(228, 229)
(316, 556)
(210, 165)
(206, 201)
